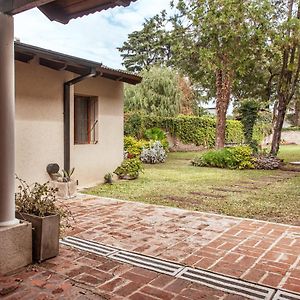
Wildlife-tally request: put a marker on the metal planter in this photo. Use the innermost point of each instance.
(45, 235)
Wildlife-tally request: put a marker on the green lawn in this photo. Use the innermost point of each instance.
(290, 153)
(265, 195)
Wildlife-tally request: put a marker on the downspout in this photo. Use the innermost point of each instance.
(67, 93)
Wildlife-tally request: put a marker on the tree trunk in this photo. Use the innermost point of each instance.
(281, 110)
(288, 79)
(223, 84)
(296, 118)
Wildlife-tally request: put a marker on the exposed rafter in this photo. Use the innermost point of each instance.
(59, 61)
(12, 7)
(61, 10)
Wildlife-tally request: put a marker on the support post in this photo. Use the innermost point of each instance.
(7, 122)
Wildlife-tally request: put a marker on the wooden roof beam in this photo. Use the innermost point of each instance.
(56, 65)
(12, 7)
(24, 57)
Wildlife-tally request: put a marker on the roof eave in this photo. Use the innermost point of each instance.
(61, 16)
(13, 7)
(57, 10)
(59, 61)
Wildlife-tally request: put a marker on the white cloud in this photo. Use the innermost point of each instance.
(93, 37)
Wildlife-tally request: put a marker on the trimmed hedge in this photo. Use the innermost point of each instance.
(293, 128)
(261, 130)
(189, 129)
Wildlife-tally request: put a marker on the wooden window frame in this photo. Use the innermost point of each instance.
(92, 122)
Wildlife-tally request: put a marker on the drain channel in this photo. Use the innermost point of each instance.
(227, 284)
(147, 262)
(282, 295)
(210, 279)
(88, 246)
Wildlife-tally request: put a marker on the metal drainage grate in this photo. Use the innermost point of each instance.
(282, 295)
(88, 246)
(227, 284)
(147, 262)
(210, 279)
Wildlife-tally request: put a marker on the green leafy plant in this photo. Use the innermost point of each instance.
(133, 147)
(108, 178)
(292, 128)
(40, 200)
(248, 113)
(129, 169)
(156, 134)
(66, 176)
(239, 157)
(188, 129)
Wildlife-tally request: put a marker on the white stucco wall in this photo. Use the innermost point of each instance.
(39, 125)
(39, 120)
(92, 162)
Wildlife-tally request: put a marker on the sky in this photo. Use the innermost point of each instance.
(94, 37)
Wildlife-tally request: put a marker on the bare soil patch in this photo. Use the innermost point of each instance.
(217, 196)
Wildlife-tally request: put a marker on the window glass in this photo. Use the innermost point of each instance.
(85, 119)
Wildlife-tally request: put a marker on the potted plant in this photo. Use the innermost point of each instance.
(129, 169)
(63, 182)
(108, 178)
(37, 204)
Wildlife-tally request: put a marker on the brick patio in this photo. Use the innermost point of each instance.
(255, 251)
(77, 275)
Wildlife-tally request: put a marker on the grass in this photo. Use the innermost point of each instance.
(266, 195)
(290, 153)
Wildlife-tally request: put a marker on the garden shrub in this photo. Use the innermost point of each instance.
(154, 154)
(188, 129)
(262, 127)
(156, 134)
(239, 157)
(234, 132)
(129, 169)
(196, 130)
(133, 125)
(292, 128)
(248, 110)
(266, 162)
(133, 147)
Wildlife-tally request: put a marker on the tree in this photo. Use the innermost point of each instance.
(293, 110)
(149, 46)
(221, 41)
(288, 41)
(296, 115)
(248, 110)
(163, 92)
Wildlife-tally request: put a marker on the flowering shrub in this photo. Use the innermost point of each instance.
(239, 157)
(133, 147)
(129, 169)
(154, 154)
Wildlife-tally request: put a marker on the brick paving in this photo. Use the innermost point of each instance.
(77, 275)
(257, 251)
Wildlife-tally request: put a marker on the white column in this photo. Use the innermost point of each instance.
(7, 122)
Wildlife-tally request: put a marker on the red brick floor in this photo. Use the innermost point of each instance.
(256, 251)
(77, 275)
